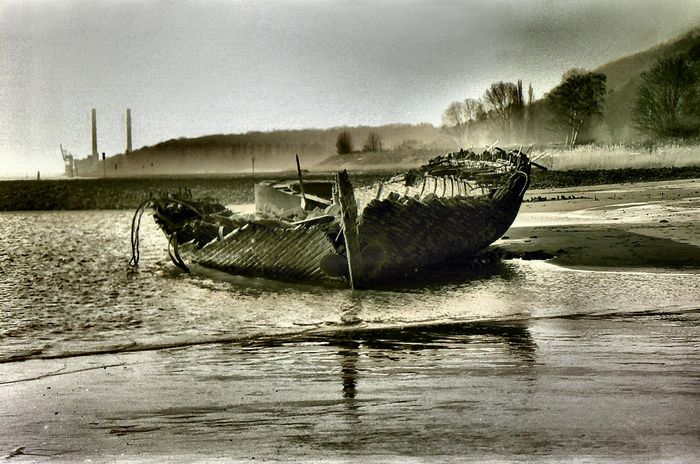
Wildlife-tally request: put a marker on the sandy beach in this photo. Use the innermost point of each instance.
(644, 225)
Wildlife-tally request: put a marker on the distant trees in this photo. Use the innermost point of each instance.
(459, 117)
(667, 101)
(343, 143)
(373, 142)
(502, 112)
(576, 101)
(505, 105)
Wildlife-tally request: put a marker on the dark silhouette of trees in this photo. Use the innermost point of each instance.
(576, 101)
(667, 101)
(373, 142)
(343, 143)
(505, 105)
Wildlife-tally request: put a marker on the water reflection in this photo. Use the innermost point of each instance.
(349, 354)
(514, 338)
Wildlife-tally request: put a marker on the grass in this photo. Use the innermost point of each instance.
(596, 157)
(382, 160)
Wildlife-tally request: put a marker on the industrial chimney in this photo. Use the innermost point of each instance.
(128, 130)
(94, 134)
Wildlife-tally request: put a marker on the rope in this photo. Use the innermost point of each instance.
(174, 254)
(135, 228)
(526, 184)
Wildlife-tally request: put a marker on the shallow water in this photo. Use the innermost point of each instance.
(523, 359)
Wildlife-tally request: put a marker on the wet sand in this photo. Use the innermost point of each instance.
(632, 226)
(547, 390)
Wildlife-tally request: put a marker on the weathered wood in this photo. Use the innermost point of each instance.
(379, 190)
(394, 237)
(348, 217)
(301, 184)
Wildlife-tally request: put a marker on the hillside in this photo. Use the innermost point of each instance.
(624, 77)
(620, 72)
(269, 151)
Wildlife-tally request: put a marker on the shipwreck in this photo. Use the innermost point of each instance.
(455, 206)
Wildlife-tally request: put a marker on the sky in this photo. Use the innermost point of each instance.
(192, 68)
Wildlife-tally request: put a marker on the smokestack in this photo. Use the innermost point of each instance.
(128, 130)
(94, 134)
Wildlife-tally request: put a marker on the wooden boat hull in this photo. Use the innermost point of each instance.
(417, 234)
(259, 250)
(391, 237)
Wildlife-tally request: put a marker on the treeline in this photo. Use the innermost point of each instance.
(562, 115)
(647, 99)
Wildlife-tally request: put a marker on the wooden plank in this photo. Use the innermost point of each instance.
(348, 217)
(301, 184)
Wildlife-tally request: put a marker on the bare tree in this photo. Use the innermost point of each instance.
(504, 103)
(459, 117)
(453, 116)
(473, 109)
(373, 142)
(527, 119)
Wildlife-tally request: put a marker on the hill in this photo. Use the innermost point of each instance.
(268, 151)
(624, 77)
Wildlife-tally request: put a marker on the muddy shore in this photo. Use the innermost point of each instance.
(635, 226)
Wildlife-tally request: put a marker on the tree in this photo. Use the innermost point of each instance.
(460, 116)
(344, 143)
(504, 103)
(576, 101)
(527, 117)
(373, 142)
(667, 100)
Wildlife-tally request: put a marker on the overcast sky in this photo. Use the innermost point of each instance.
(204, 67)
